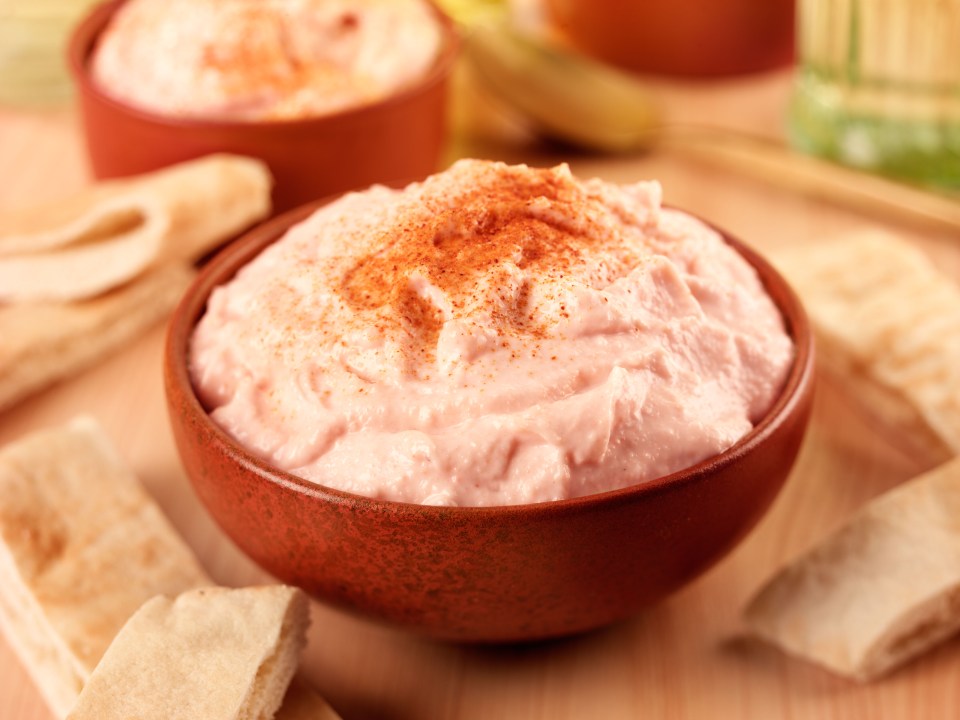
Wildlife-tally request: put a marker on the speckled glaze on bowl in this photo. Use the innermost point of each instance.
(484, 574)
(398, 137)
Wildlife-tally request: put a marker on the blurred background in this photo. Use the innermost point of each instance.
(872, 85)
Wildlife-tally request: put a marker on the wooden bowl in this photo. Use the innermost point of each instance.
(398, 137)
(484, 574)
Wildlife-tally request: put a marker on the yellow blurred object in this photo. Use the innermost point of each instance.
(568, 96)
(468, 12)
(33, 39)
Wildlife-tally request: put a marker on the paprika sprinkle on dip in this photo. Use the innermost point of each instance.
(263, 59)
(493, 335)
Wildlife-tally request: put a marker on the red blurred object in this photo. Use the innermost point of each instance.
(693, 38)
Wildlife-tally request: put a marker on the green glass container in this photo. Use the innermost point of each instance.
(878, 86)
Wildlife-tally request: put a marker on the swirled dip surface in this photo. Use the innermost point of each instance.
(495, 335)
(263, 59)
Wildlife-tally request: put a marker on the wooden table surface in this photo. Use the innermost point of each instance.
(682, 659)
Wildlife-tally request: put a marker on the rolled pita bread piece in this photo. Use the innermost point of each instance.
(888, 326)
(881, 590)
(82, 546)
(212, 653)
(41, 343)
(106, 236)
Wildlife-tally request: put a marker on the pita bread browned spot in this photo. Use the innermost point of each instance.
(212, 653)
(82, 546)
(881, 590)
(106, 236)
(44, 342)
(888, 323)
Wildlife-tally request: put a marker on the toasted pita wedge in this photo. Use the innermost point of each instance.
(44, 342)
(212, 653)
(881, 590)
(107, 236)
(888, 324)
(81, 547)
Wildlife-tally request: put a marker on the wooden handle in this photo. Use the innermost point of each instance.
(772, 162)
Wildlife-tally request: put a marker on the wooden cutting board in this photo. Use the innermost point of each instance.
(681, 659)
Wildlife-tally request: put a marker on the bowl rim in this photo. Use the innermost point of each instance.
(86, 34)
(225, 264)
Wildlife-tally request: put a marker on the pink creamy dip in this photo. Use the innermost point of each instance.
(494, 335)
(263, 59)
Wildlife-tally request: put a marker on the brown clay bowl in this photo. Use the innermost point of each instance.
(484, 574)
(401, 136)
(693, 38)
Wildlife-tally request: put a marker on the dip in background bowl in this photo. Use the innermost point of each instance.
(486, 574)
(395, 137)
